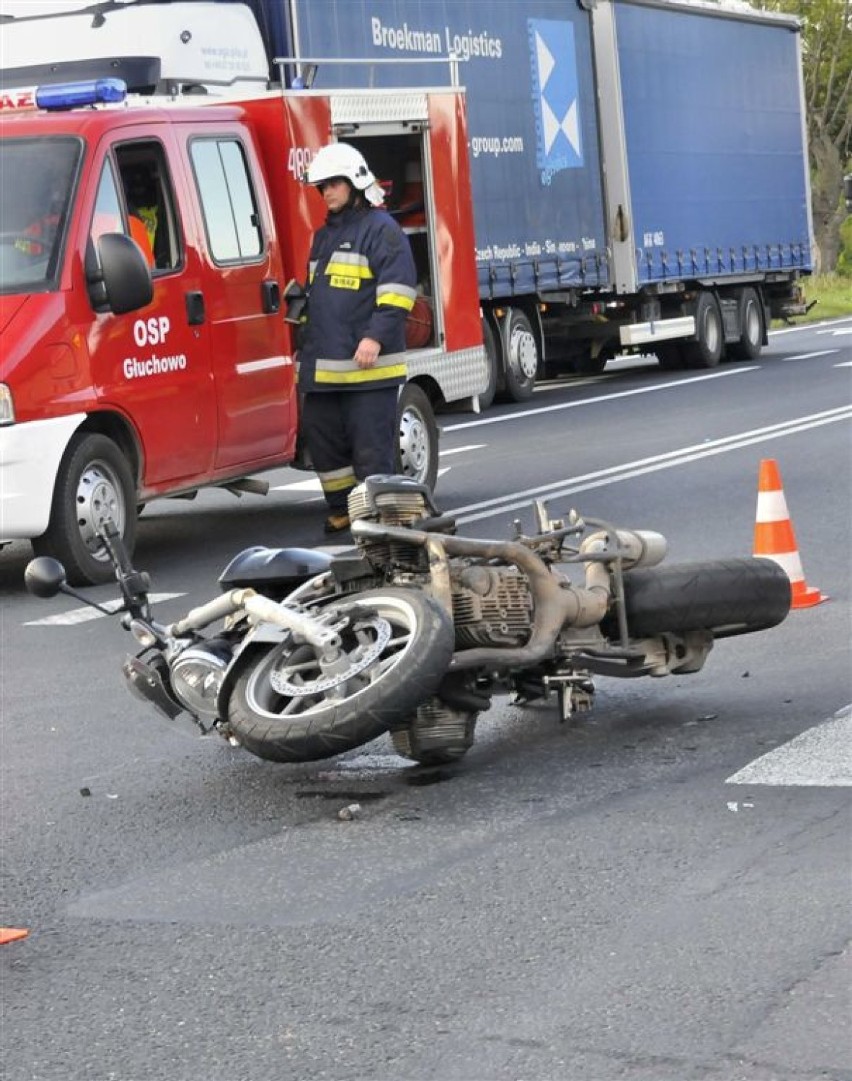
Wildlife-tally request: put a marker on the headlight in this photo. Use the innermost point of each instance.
(197, 677)
(7, 406)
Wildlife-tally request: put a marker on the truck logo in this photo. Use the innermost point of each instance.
(553, 62)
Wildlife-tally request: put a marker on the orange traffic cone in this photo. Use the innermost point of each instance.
(774, 537)
(10, 934)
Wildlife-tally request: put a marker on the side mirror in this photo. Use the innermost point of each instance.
(847, 191)
(119, 279)
(44, 577)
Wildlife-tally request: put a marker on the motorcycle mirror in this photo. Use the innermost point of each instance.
(44, 577)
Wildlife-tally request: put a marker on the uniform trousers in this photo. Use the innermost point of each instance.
(350, 434)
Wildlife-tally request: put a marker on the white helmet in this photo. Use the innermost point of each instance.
(341, 159)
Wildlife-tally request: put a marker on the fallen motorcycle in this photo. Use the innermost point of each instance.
(415, 629)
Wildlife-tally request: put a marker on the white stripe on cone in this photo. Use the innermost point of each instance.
(790, 563)
(772, 507)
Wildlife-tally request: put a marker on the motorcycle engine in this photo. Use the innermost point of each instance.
(391, 501)
(492, 606)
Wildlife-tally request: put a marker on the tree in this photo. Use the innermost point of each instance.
(827, 62)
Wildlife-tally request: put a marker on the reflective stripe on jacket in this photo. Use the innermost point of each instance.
(361, 284)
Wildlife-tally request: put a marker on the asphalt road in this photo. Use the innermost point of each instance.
(660, 892)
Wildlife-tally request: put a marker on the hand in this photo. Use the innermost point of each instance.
(367, 353)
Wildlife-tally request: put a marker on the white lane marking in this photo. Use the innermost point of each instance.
(568, 486)
(829, 324)
(838, 332)
(459, 450)
(820, 757)
(312, 484)
(808, 356)
(539, 410)
(844, 364)
(83, 615)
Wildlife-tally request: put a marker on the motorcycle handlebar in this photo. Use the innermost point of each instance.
(134, 584)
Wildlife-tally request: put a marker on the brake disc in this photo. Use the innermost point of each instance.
(357, 664)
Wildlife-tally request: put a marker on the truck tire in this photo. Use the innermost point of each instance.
(350, 709)
(751, 327)
(727, 597)
(94, 482)
(520, 357)
(707, 349)
(417, 450)
(495, 363)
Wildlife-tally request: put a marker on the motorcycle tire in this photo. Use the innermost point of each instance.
(387, 682)
(727, 597)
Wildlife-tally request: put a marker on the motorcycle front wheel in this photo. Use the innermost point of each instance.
(292, 704)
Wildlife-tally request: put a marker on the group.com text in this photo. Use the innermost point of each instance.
(495, 145)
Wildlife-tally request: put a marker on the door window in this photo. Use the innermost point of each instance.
(149, 203)
(228, 202)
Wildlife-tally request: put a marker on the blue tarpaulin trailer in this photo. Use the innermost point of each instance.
(638, 167)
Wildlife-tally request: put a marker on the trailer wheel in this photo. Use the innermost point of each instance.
(94, 482)
(417, 451)
(751, 327)
(520, 351)
(494, 356)
(706, 351)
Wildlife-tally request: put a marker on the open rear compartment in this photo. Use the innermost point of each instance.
(397, 161)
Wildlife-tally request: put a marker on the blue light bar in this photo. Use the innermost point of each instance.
(73, 95)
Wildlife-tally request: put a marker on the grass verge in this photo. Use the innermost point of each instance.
(833, 296)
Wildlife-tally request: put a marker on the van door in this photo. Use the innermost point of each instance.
(153, 366)
(254, 377)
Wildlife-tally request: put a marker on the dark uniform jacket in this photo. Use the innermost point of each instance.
(361, 284)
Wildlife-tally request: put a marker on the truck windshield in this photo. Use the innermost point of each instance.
(36, 186)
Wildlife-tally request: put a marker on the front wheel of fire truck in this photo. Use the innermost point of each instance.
(94, 483)
(417, 452)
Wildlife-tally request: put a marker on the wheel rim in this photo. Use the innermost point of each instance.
(523, 353)
(290, 680)
(298, 682)
(712, 331)
(413, 444)
(99, 497)
(751, 323)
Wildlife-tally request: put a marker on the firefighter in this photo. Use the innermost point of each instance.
(143, 205)
(360, 288)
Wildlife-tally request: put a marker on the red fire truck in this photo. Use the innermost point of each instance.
(133, 371)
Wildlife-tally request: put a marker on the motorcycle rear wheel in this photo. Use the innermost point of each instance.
(397, 645)
(725, 596)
